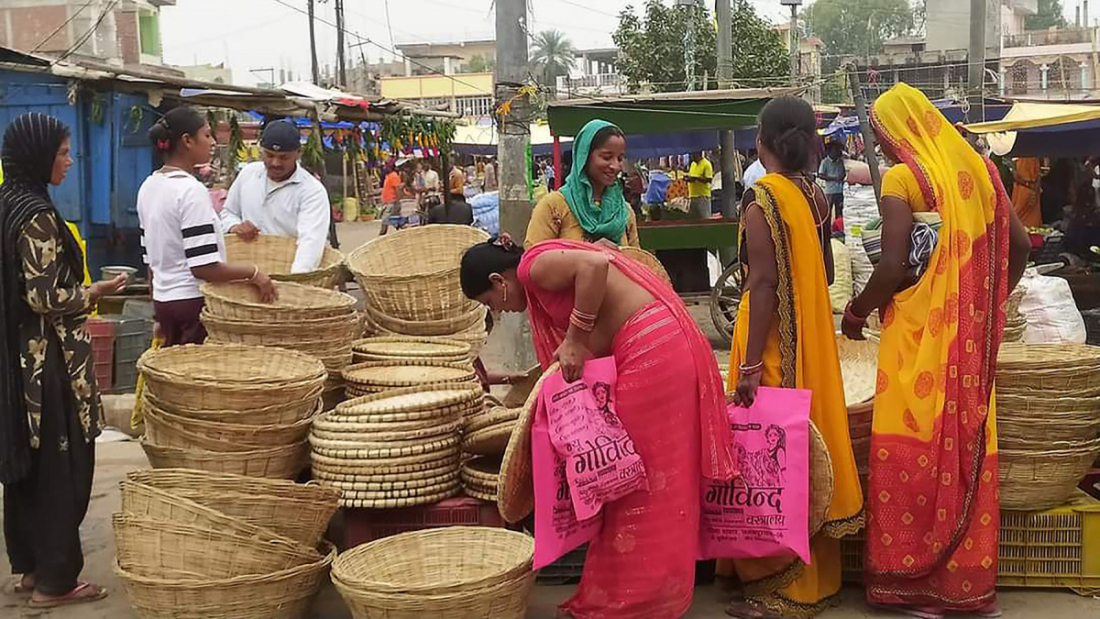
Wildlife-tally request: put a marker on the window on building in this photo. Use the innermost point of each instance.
(1018, 81)
(474, 106)
(149, 28)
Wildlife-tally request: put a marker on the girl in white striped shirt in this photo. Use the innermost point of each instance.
(181, 237)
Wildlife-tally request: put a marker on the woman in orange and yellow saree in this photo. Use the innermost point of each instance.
(932, 501)
(785, 337)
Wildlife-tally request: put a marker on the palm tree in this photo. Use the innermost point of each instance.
(553, 55)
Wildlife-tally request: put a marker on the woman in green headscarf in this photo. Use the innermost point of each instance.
(590, 205)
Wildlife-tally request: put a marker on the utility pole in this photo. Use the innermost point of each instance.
(341, 62)
(976, 60)
(729, 163)
(795, 39)
(514, 133)
(313, 46)
(689, 44)
(865, 128)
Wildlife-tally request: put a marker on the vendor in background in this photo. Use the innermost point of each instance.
(181, 235)
(396, 186)
(1026, 192)
(429, 186)
(50, 411)
(1083, 231)
(699, 176)
(491, 175)
(590, 205)
(456, 180)
(833, 172)
(278, 196)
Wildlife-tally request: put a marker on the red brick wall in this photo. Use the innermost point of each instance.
(128, 44)
(30, 25)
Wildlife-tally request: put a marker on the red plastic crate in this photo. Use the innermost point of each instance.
(366, 525)
(103, 351)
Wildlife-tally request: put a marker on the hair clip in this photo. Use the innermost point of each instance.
(504, 241)
(163, 144)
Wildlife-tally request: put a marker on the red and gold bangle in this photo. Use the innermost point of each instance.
(749, 370)
(851, 316)
(583, 321)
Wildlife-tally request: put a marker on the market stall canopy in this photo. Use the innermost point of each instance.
(1044, 130)
(482, 140)
(953, 110)
(708, 110)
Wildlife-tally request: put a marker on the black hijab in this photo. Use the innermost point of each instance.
(30, 146)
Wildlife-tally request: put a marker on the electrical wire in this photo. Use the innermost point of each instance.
(62, 26)
(87, 35)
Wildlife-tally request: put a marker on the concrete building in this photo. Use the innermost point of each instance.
(212, 73)
(124, 33)
(810, 51)
(594, 74)
(949, 23)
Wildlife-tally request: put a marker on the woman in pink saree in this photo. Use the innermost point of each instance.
(587, 301)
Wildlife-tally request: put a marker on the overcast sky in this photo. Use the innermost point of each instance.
(258, 34)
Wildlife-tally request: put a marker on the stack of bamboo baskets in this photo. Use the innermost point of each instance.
(274, 255)
(397, 448)
(1015, 322)
(411, 283)
(192, 545)
(1048, 421)
(449, 573)
(372, 377)
(230, 408)
(320, 323)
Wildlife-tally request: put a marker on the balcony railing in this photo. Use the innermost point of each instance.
(1067, 36)
(602, 81)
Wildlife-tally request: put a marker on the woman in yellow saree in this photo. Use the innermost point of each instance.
(1026, 192)
(785, 337)
(932, 500)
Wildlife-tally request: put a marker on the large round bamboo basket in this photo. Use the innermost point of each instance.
(319, 334)
(376, 376)
(296, 511)
(437, 561)
(276, 414)
(275, 256)
(414, 273)
(1056, 369)
(1043, 474)
(247, 436)
(647, 260)
(506, 600)
(455, 323)
(283, 462)
(167, 549)
(230, 376)
(296, 302)
(402, 348)
(285, 594)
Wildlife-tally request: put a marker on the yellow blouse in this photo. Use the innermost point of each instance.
(900, 182)
(552, 219)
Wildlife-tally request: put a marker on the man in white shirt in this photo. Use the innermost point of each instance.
(278, 196)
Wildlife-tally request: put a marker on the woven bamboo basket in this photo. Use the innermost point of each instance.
(247, 436)
(491, 440)
(327, 430)
(515, 485)
(286, 594)
(507, 600)
(402, 467)
(242, 302)
(481, 473)
(296, 511)
(308, 336)
(491, 417)
(859, 368)
(275, 256)
(166, 549)
(283, 462)
(1042, 357)
(375, 376)
(149, 503)
(647, 260)
(231, 376)
(414, 273)
(436, 561)
(1044, 474)
(456, 323)
(164, 434)
(407, 348)
(520, 389)
(418, 403)
(278, 414)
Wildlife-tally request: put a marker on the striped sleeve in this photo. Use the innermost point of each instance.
(199, 229)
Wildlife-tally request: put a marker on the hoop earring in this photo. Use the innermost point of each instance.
(506, 293)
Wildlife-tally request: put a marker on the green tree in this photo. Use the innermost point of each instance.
(651, 47)
(857, 26)
(1050, 15)
(553, 55)
(480, 64)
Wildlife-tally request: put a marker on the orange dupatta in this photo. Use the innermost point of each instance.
(932, 502)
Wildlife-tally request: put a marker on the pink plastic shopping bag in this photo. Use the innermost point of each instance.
(765, 510)
(602, 464)
(557, 530)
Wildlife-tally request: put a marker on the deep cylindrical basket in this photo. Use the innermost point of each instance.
(242, 302)
(305, 335)
(243, 435)
(436, 561)
(274, 255)
(1044, 475)
(414, 272)
(283, 462)
(506, 600)
(230, 376)
(296, 511)
(273, 414)
(457, 323)
(157, 548)
(286, 594)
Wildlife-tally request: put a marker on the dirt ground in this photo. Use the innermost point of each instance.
(115, 459)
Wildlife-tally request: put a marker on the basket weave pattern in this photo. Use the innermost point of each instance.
(274, 255)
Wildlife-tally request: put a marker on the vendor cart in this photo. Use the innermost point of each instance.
(671, 115)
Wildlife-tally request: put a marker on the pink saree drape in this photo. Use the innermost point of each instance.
(670, 399)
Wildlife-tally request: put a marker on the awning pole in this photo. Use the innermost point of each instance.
(557, 162)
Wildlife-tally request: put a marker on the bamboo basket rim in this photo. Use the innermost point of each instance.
(352, 450)
(515, 488)
(169, 435)
(514, 550)
(483, 467)
(277, 323)
(380, 438)
(474, 493)
(221, 583)
(468, 319)
(200, 454)
(391, 466)
(331, 258)
(340, 303)
(215, 482)
(331, 422)
(389, 373)
(490, 417)
(491, 440)
(399, 493)
(425, 399)
(361, 482)
(417, 347)
(229, 427)
(352, 469)
(153, 362)
(396, 503)
(1018, 356)
(214, 415)
(423, 236)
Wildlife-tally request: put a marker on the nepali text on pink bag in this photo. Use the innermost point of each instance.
(602, 464)
(765, 510)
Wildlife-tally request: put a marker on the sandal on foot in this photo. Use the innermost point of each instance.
(744, 610)
(21, 589)
(81, 594)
